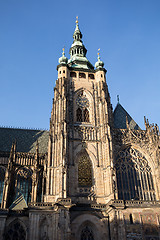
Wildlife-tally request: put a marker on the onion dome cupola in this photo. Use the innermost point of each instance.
(78, 52)
(99, 64)
(63, 59)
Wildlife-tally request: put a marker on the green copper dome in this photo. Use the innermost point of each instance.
(99, 64)
(63, 59)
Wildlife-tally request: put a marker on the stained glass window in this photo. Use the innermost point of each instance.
(84, 172)
(24, 184)
(2, 176)
(87, 233)
(134, 176)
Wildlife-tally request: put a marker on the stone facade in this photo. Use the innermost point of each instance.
(96, 181)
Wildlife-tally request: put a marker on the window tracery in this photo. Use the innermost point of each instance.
(84, 172)
(134, 176)
(2, 176)
(24, 183)
(87, 233)
(82, 112)
(16, 232)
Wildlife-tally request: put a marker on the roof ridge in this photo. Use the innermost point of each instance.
(25, 128)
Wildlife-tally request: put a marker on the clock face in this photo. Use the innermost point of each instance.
(82, 102)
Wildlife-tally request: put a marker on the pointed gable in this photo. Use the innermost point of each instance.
(119, 116)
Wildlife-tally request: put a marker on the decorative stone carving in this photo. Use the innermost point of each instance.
(87, 133)
(24, 172)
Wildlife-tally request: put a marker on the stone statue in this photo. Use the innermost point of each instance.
(45, 237)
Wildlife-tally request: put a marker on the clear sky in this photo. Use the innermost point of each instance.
(33, 33)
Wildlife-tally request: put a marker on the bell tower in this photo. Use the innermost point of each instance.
(80, 143)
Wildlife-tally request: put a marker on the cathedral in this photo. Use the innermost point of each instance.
(95, 175)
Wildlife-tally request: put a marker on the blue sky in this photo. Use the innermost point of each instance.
(33, 33)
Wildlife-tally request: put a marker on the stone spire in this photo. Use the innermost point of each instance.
(78, 51)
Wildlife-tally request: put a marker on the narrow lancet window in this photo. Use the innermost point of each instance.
(86, 115)
(79, 115)
(2, 176)
(84, 172)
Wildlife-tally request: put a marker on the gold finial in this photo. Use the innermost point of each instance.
(63, 51)
(98, 51)
(77, 19)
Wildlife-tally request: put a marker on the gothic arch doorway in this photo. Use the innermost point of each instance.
(89, 227)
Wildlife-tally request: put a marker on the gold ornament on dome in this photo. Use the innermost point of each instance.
(84, 172)
(77, 19)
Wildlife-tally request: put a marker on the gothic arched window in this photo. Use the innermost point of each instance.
(15, 232)
(2, 176)
(82, 113)
(84, 172)
(39, 188)
(134, 176)
(87, 233)
(24, 183)
(79, 115)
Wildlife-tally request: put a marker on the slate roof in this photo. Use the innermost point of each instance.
(119, 116)
(25, 140)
